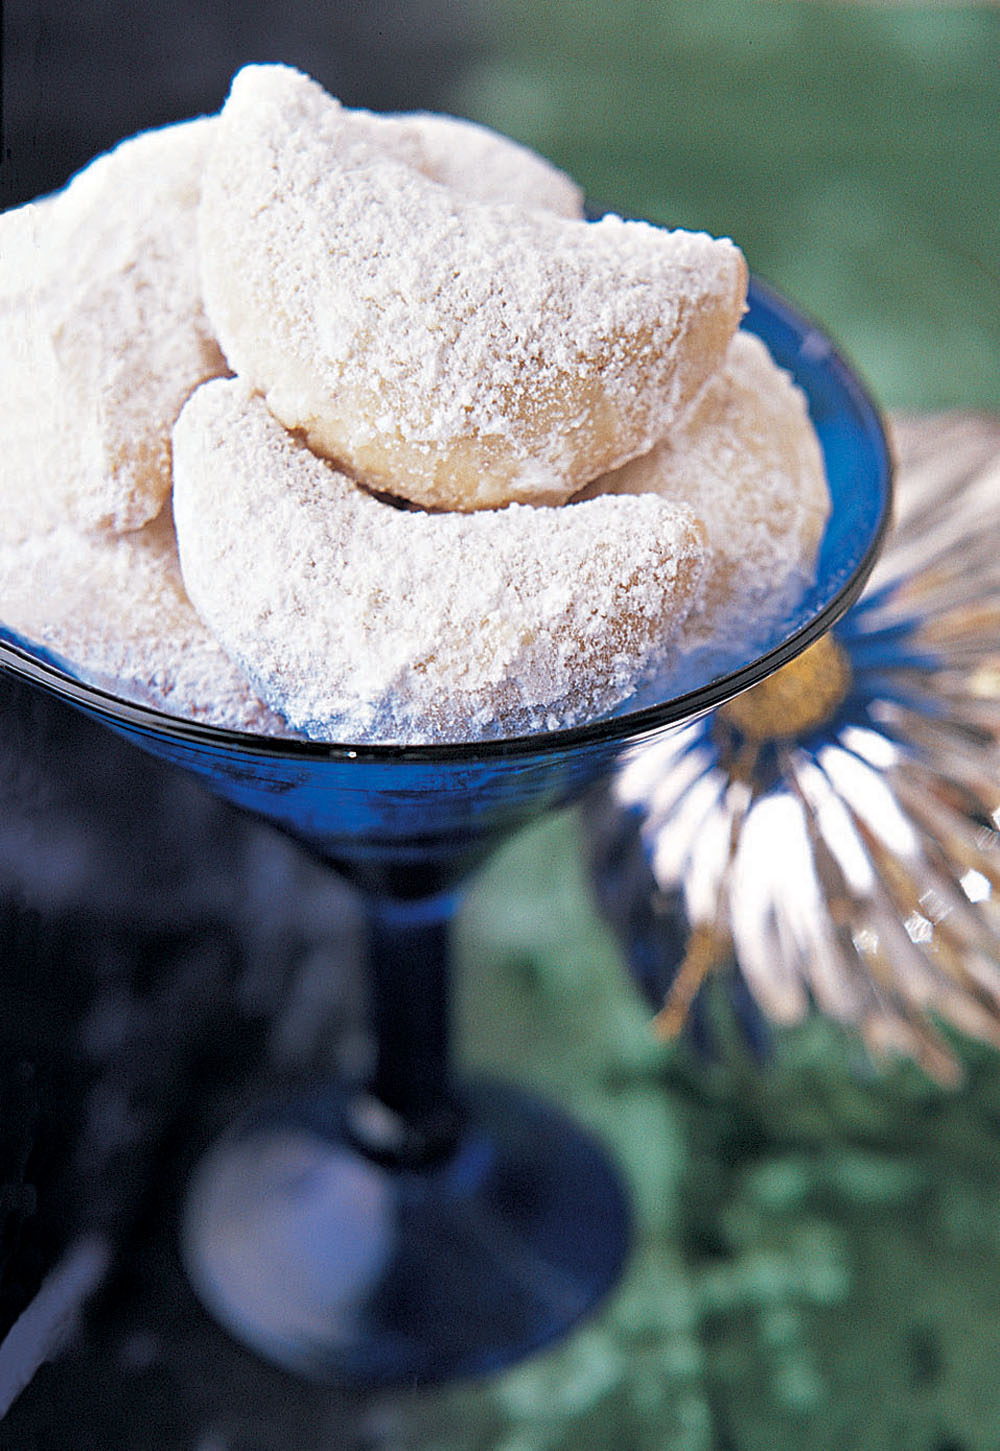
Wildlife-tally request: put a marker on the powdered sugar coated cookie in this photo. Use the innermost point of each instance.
(477, 163)
(358, 620)
(748, 463)
(458, 353)
(102, 335)
(114, 608)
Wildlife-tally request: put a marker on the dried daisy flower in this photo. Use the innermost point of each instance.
(832, 837)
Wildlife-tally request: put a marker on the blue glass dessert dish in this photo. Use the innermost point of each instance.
(415, 1227)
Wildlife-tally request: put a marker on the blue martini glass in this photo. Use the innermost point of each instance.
(411, 1227)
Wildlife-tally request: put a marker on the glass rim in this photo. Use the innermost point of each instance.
(20, 661)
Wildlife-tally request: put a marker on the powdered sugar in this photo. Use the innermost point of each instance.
(748, 463)
(358, 620)
(102, 335)
(472, 160)
(460, 353)
(115, 609)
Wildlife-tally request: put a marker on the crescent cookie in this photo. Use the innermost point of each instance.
(749, 464)
(478, 163)
(458, 353)
(102, 335)
(359, 620)
(115, 609)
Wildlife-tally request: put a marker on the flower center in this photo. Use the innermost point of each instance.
(796, 699)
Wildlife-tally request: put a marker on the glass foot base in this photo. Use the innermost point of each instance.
(340, 1269)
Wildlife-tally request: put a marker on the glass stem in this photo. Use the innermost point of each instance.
(407, 1114)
